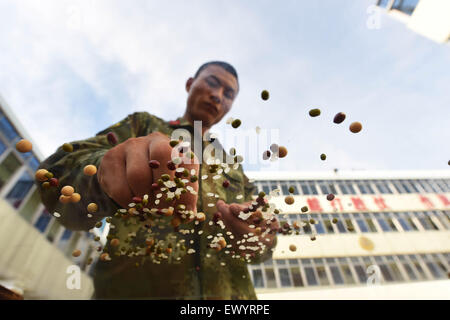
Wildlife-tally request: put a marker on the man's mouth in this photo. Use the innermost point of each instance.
(212, 108)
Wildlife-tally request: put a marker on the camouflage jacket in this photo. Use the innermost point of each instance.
(206, 274)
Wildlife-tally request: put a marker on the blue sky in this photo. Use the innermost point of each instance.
(71, 68)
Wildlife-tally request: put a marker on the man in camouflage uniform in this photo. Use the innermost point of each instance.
(123, 173)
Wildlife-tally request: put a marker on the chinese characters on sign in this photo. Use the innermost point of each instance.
(373, 203)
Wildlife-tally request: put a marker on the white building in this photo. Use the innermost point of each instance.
(396, 222)
(430, 18)
(35, 248)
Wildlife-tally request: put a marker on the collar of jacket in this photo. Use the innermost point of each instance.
(180, 122)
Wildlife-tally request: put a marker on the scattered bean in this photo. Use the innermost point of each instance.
(92, 207)
(289, 200)
(112, 138)
(67, 147)
(90, 170)
(314, 112)
(236, 123)
(265, 95)
(339, 117)
(282, 152)
(24, 146)
(355, 127)
(76, 253)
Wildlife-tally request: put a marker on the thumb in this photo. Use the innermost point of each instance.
(221, 206)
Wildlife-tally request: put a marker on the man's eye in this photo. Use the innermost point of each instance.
(229, 95)
(212, 83)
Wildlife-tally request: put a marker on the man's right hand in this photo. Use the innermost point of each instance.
(124, 171)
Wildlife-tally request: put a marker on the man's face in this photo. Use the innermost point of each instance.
(210, 95)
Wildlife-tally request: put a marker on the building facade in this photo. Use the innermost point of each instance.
(430, 18)
(36, 248)
(384, 235)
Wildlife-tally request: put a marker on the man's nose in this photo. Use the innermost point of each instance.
(215, 98)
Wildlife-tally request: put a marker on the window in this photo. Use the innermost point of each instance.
(280, 262)
(405, 6)
(64, 239)
(416, 186)
(310, 276)
(434, 270)
(327, 222)
(417, 266)
(427, 225)
(336, 274)
(20, 190)
(440, 264)
(34, 163)
(409, 271)
(425, 186)
(364, 187)
(445, 186)
(322, 275)
(382, 187)
(349, 222)
(284, 189)
(386, 273)
(66, 235)
(285, 280)
(258, 280)
(265, 188)
(347, 273)
(383, 224)
(370, 223)
(308, 187)
(2, 147)
(318, 225)
(428, 217)
(396, 271)
(434, 187)
(327, 187)
(312, 186)
(361, 223)
(296, 277)
(42, 222)
(390, 221)
(441, 218)
(340, 226)
(383, 3)
(8, 167)
(268, 262)
(399, 187)
(270, 278)
(53, 230)
(7, 129)
(293, 262)
(346, 187)
(360, 272)
(29, 208)
(407, 186)
(285, 185)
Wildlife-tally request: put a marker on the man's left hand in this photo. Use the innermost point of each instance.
(229, 214)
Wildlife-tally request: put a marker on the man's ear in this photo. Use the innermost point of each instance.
(189, 84)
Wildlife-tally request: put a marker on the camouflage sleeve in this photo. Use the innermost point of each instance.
(250, 191)
(68, 167)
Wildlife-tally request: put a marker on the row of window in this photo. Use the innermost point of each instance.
(24, 196)
(339, 187)
(369, 222)
(65, 239)
(372, 222)
(405, 6)
(349, 270)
